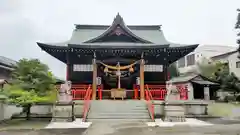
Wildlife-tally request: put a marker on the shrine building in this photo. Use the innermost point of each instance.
(117, 56)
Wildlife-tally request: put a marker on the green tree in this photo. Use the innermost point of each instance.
(173, 71)
(219, 72)
(237, 27)
(213, 70)
(32, 83)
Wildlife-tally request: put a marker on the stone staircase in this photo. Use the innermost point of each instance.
(117, 110)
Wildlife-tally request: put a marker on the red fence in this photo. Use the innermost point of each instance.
(158, 92)
(100, 88)
(79, 91)
(183, 90)
(136, 89)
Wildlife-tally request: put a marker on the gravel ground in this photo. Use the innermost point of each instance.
(225, 121)
(43, 132)
(132, 129)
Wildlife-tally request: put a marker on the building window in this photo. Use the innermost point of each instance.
(181, 62)
(82, 67)
(190, 59)
(238, 64)
(153, 68)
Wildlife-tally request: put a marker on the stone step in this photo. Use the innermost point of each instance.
(106, 110)
(118, 114)
(119, 111)
(117, 108)
(118, 120)
(138, 105)
(118, 101)
(118, 117)
(116, 105)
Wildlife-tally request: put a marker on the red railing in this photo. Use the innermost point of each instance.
(87, 99)
(100, 87)
(149, 99)
(79, 91)
(183, 90)
(158, 92)
(135, 88)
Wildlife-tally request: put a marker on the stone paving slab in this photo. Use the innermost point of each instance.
(189, 122)
(132, 129)
(75, 124)
(72, 131)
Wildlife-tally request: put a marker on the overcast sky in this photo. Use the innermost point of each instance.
(23, 22)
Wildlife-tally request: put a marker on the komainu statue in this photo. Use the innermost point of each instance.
(64, 93)
(173, 110)
(64, 109)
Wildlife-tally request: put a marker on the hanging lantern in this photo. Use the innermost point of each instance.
(131, 69)
(105, 69)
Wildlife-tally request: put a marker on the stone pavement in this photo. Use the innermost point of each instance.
(128, 129)
(103, 128)
(75, 124)
(137, 128)
(125, 128)
(189, 122)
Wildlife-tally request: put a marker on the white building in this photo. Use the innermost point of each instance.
(189, 62)
(231, 58)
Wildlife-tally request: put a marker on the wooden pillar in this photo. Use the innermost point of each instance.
(67, 67)
(67, 72)
(94, 81)
(142, 89)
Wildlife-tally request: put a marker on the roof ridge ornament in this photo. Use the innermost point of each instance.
(118, 20)
(118, 27)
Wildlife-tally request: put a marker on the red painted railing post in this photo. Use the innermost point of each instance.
(149, 99)
(86, 105)
(135, 88)
(100, 92)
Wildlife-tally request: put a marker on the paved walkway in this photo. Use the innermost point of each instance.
(104, 128)
(133, 129)
(189, 122)
(75, 124)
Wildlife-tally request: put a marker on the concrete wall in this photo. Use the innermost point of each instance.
(204, 52)
(7, 111)
(191, 108)
(231, 60)
(1, 110)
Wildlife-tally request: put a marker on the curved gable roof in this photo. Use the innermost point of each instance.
(118, 27)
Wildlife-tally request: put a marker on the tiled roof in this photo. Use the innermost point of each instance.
(224, 54)
(196, 78)
(6, 61)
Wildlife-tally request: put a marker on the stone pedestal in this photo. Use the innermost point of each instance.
(2, 106)
(174, 112)
(63, 112)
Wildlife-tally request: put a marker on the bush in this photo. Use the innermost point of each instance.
(229, 98)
